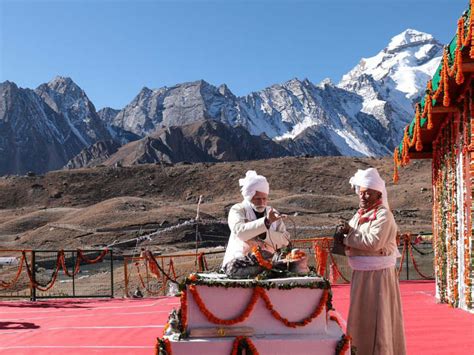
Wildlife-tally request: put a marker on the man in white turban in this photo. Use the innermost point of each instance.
(253, 224)
(375, 320)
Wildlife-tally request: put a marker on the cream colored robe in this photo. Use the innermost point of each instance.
(375, 320)
(243, 230)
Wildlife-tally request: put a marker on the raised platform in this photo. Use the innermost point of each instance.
(276, 316)
(321, 344)
(294, 299)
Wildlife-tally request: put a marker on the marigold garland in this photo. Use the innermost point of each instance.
(469, 37)
(242, 341)
(336, 269)
(214, 319)
(163, 344)
(184, 310)
(343, 344)
(50, 284)
(427, 112)
(402, 257)
(258, 292)
(446, 97)
(77, 265)
(99, 258)
(419, 144)
(60, 264)
(321, 253)
(464, 40)
(449, 151)
(202, 262)
(396, 163)
(260, 259)
(146, 285)
(336, 319)
(10, 284)
(415, 265)
(317, 311)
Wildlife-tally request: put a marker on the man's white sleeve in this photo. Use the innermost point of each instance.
(244, 230)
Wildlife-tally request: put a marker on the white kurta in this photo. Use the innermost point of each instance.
(244, 227)
(375, 320)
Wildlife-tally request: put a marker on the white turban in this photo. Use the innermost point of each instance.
(253, 183)
(370, 179)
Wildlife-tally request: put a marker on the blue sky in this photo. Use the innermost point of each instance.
(113, 48)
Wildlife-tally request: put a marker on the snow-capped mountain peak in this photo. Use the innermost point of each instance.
(394, 79)
(409, 37)
(363, 115)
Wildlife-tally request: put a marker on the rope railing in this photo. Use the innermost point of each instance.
(322, 253)
(156, 265)
(60, 264)
(10, 284)
(159, 270)
(409, 241)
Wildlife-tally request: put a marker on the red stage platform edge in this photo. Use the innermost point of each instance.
(131, 326)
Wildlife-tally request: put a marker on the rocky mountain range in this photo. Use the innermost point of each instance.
(56, 124)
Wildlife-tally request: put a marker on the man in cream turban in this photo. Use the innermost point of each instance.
(375, 320)
(252, 223)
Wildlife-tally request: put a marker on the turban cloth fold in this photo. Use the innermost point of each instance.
(253, 183)
(370, 179)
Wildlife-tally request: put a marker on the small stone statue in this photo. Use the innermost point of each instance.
(138, 293)
(173, 323)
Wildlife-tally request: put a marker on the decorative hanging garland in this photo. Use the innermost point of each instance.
(77, 265)
(240, 343)
(337, 270)
(99, 258)
(452, 190)
(317, 311)
(464, 40)
(402, 257)
(320, 283)
(243, 343)
(416, 266)
(51, 282)
(261, 260)
(163, 344)
(10, 284)
(321, 253)
(202, 262)
(343, 344)
(214, 319)
(258, 292)
(184, 310)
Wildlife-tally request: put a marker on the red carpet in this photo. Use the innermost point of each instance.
(131, 326)
(430, 328)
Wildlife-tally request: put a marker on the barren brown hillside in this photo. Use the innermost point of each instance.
(95, 207)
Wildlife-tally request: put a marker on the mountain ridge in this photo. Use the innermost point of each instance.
(362, 115)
